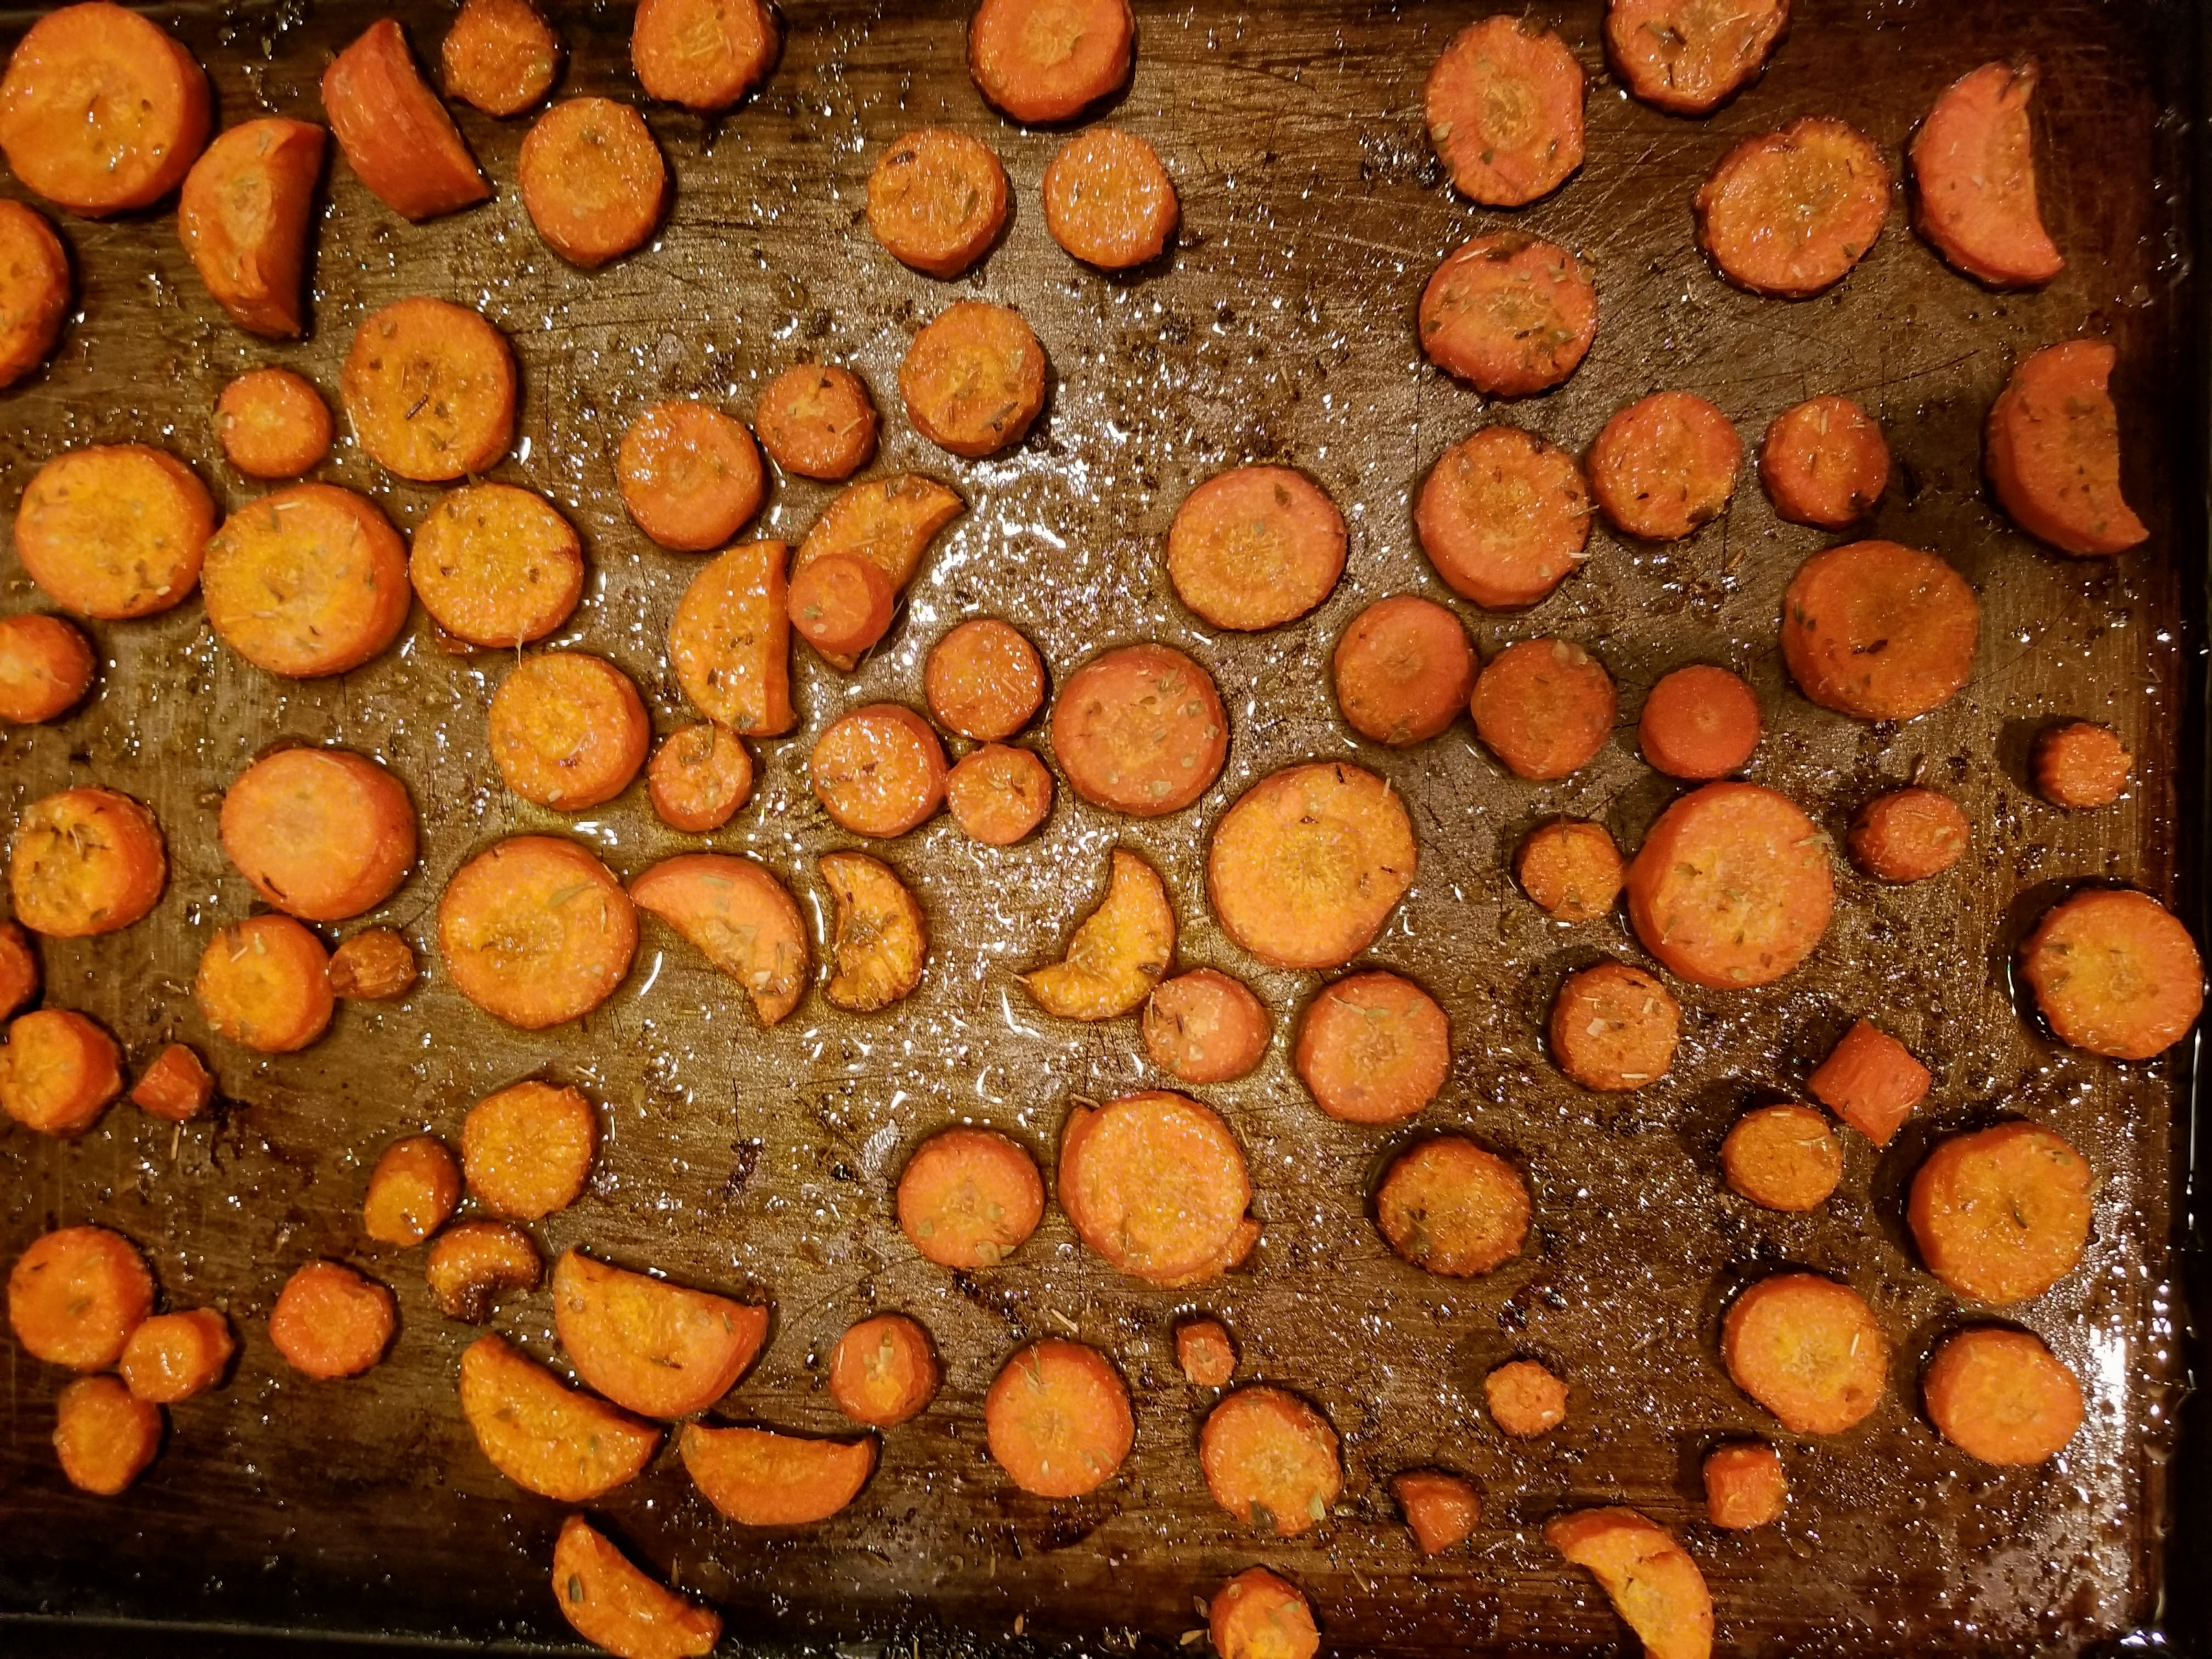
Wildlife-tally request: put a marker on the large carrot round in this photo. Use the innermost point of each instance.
(1544, 708)
(1441, 1509)
(1878, 631)
(1402, 671)
(114, 531)
(19, 968)
(34, 290)
(1309, 864)
(593, 180)
(1450, 1207)
(1049, 60)
(429, 387)
(1157, 1184)
(2112, 971)
(937, 200)
(740, 916)
(273, 423)
(1271, 1460)
(85, 861)
(535, 931)
(1664, 465)
(1509, 314)
(656, 1348)
(1108, 200)
(1373, 1047)
(1255, 547)
(878, 770)
(377, 964)
(104, 1435)
(883, 1370)
(1824, 462)
(412, 1191)
(1570, 869)
(74, 1296)
(175, 1084)
(611, 1604)
(174, 1356)
(1504, 517)
(703, 54)
(1783, 1158)
(997, 795)
(1745, 1485)
(983, 680)
(309, 581)
(1504, 109)
(1259, 1615)
(1687, 58)
(1525, 1398)
(969, 1198)
(1698, 722)
(265, 983)
(1908, 834)
(45, 668)
(2052, 452)
(567, 730)
(1732, 886)
(2001, 1396)
(699, 777)
(1790, 212)
(473, 1263)
(817, 421)
(323, 833)
(397, 136)
(690, 475)
(1613, 1028)
(330, 1321)
(1057, 1419)
(500, 55)
(974, 378)
(730, 641)
(2081, 766)
(1973, 170)
(1205, 1027)
(101, 111)
(57, 1071)
(1140, 729)
(244, 217)
(841, 605)
(1807, 1349)
(496, 566)
(2002, 1214)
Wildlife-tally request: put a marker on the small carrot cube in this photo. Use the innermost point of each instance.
(175, 1086)
(1871, 1082)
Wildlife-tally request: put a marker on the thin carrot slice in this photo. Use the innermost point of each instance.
(2052, 451)
(1442, 1509)
(412, 1191)
(173, 1356)
(1452, 1207)
(883, 1370)
(740, 917)
(2002, 1396)
(699, 777)
(567, 730)
(535, 931)
(1259, 1615)
(500, 55)
(841, 605)
(593, 180)
(1205, 1027)
(1871, 1082)
(1699, 723)
(1807, 1349)
(1118, 953)
(1108, 200)
(1525, 1399)
(429, 387)
(1824, 462)
(1685, 58)
(1908, 834)
(1783, 1158)
(1309, 864)
(272, 423)
(1651, 1579)
(817, 421)
(1732, 886)
(2081, 766)
(323, 834)
(74, 1296)
(114, 531)
(1204, 1353)
(101, 111)
(969, 1198)
(1140, 729)
(45, 668)
(878, 770)
(104, 1435)
(34, 290)
(762, 1479)
(1271, 1460)
(1613, 1028)
(264, 982)
(703, 54)
(526, 1150)
(1664, 465)
(690, 475)
(496, 566)
(1373, 1047)
(1745, 1485)
(244, 216)
(611, 1604)
(878, 940)
(397, 136)
(1057, 1419)
(1509, 314)
(19, 968)
(1544, 708)
(307, 581)
(2002, 1214)
(730, 641)
(473, 1263)
(1255, 547)
(543, 1436)
(2113, 972)
(59, 1072)
(1157, 1184)
(890, 521)
(176, 1086)
(1048, 60)
(329, 1321)
(85, 861)
(1878, 631)
(1790, 212)
(983, 680)
(974, 379)
(1504, 110)
(937, 200)
(658, 1349)
(1570, 869)
(1402, 671)
(377, 964)
(998, 795)
(1504, 517)
(1973, 169)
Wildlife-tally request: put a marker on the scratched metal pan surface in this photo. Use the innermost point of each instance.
(763, 1162)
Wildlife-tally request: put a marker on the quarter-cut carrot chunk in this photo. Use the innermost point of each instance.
(1373, 1047)
(1808, 1349)
(1570, 869)
(1509, 314)
(2081, 766)
(969, 1198)
(740, 917)
(1450, 1207)
(1871, 1082)
(878, 770)
(1504, 517)
(74, 1296)
(658, 1349)
(1784, 1157)
(1205, 1027)
(2002, 1396)
(526, 1150)
(841, 605)
(273, 423)
(883, 1370)
(937, 200)
(473, 1263)
(762, 1479)
(1504, 109)
(1908, 834)
(19, 968)
(264, 982)
(730, 642)
(496, 566)
(85, 861)
(890, 521)
(176, 1086)
(2113, 972)
(1878, 631)
(1259, 1615)
(1745, 1485)
(323, 834)
(1651, 1579)
(1255, 547)
(329, 1321)
(699, 777)
(1057, 1419)
(974, 378)
(34, 290)
(1204, 1353)
(703, 54)
(309, 581)
(1271, 1460)
(1790, 212)
(1613, 1028)
(1698, 722)
(1663, 466)
(114, 531)
(817, 421)
(377, 964)
(1118, 953)
(878, 940)
(1108, 200)
(1403, 671)
(1309, 864)
(397, 136)
(2002, 1214)
(1049, 60)
(567, 730)
(1732, 886)
(1140, 729)
(430, 389)
(593, 180)
(59, 1072)
(983, 680)
(1544, 708)
(100, 110)
(543, 1436)
(244, 216)
(500, 55)
(412, 1191)
(1525, 1399)
(174, 1356)
(104, 1435)
(45, 668)
(1157, 1184)
(535, 931)
(611, 1604)
(1974, 167)
(998, 795)
(1824, 462)
(1688, 58)
(1442, 1509)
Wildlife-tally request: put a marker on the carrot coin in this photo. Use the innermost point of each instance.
(473, 1263)
(1732, 886)
(272, 423)
(1108, 200)
(1871, 1082)
(1504, 518)
(34, 290)
(1504, 109)
(1204, 1353)
(730, 641)
(244, 217)
(1790, 212)
(1402, 671)
(567, 730)
(1048, 60)
(2081, 766)
(1259, 1615)
(1525, 1400)
(1118, 953)
(937, 200)
(1450, 1207)
(496, 566)
(57, 1071)
(100, 110)
(1373, 1049)
(983, 680)
(1309, 864)
(1973, 168)
(1745, 1485)
(969, 1198)
(1140, 729)
(2002, 1396)
(592, 180)
(699, 777)
(878, 940)
(740, 917)
(104, 1435)
(883, 1370)
(658, 1349)
(114, 531)
(2052, 452)
(998, 795)
(1509, 314)
(841, 605)
(1908, 834)
(880, 771)
(1651, 1579)
(412, 1191)
(535, 931)
(1271, 1460)
(1878, 631)
(176, 1086)
(45, 668)
(397, 137)
(74, 1296)
(264, 982)
(430, 390)
(974, 378)
(526, 1150)
(1783, 1158)
(690, 475)
(2002, 1214)
(1157, 1184)
(500, 55)
(703, 54)
(612, 1604)
(1255, 547)
(1442, 1509)
(309, 581)
(1613, 1028)
(1698, 722)
(173, 1356)
(19, 968)
(1807, 1349)
(323, 834)
(1570, 869)
(817, 421)
(377, 964)
(890, 521)
(1544, 708)
(1824, 462)
(543, 1436)
(1661, 467)
(329, 1321)
(2113, 972)
(1685, 58)
(1057, 1419)
(762, 1479)
(1205, 1027)
(85, 861)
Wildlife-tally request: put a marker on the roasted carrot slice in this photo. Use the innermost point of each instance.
(974, 378)
(1402, 671)
(534, 931)
(1544, 708)
(1452, 1207)
(567, 730)
(883, 1370)
(699, 777)
(2002, 1214)
(2113, 972)
(1504, 517)
(1973, 170)
(114, 531)
(890, 521)
(998, 795)
(1698, 722)
(1049, 60)
(1156, 1183)
(1119, 951)
(983, 680)
(1784, 1157)
(173, 1356)
(878, 940)
(104, 1435)
(1205, 1354)
(496, 566)
(690, 475)
(593, 180)
(1525, 1399)
(273, 423)
(817, 421)
(59, 1072)
(1140, 729)
(1871, 1082)
(878, 770)
(1664, 465)
(1878, 631)
(1908, 834)
(500, 55)
(1651, 1579)
(244, 216)
(1205, 1027)
(1504, 108)
(397, 136)
(473, 1263)
(1373, 1047)
(759, 1478)
(1570, 869)
(611, 1604)
(1613, 1028)
(19, 968)
(2001, 1396)
(329, 1321)
(1255, 547)
(842, 605)
(1259, 1615)
(658, 1349)
(1732, 886)
(176, 1086)
(730, 642)
(377, 964)
(412, 1191)
(1745, 1485)
(85, 861)
(2052, 451)
(1824, 462)
(1807, 1349)
(34, 290)
(429, 387)
(741, 917)
(543, 1436)
(969, 1198)
(2081, 766)
(1790, 212)
(1057, 1419)
(1509, 314)
(526, 1150)
(74, 1296)
(1271, 1460)
(309, 581)
(703, 54)
(937, 200)
(1108, 200)
(1685, 58)
(1442, 1509)
(100, 110)
(1309, 864)
(323, 834)
(264, 982)
(45, 668)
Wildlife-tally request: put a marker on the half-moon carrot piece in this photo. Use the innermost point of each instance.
(611, 1604)
(59, 1072)
(1118, 953)
(2052, 451)
(309, 581)
(740, 916)
(730, 641)
(272, 423)
(74, 1296)
(1651, 1579)
(34, 290)
(658, 1349)
(535, 931)
(244, 216)
(1973, 170)
(878, 940)
(500, 55)
(45, 668)
(703, 54)
(323, 834)
(265, 983)
(541, 1434)
(759, 1478)
(114, 531)
(402, 143)
(429, 387)
(85, 861)
(100, 110)
(890, 520)
(1057, 1419)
